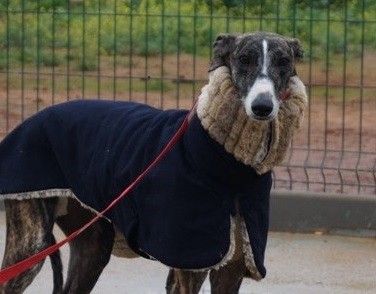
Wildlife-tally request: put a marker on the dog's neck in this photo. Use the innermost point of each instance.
(259, 144)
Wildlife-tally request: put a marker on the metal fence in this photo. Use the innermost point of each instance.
(158, 52)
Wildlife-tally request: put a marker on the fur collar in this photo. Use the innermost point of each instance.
(259, 144)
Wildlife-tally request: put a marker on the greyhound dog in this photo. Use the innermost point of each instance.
(261, 66)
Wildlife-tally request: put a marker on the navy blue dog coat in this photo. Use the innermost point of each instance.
(180, 214)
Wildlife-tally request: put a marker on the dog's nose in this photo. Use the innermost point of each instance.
(262, 106)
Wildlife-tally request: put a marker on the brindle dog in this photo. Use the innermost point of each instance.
(252, 60)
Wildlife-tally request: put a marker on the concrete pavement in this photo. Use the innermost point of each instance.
(296, 263)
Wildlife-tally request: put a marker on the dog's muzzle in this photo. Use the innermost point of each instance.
(261, 102)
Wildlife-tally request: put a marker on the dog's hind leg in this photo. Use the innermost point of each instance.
(29, 230)
(57, 270)
(89, 252)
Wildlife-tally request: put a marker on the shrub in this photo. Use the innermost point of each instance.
(85, 29)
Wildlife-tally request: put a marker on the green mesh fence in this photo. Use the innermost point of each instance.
(158, 52)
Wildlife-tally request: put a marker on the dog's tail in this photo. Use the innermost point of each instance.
(57, 269)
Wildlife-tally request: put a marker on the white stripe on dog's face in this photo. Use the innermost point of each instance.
(265, 59)
(262, 91)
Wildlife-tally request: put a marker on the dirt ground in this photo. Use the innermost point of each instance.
(335, 150)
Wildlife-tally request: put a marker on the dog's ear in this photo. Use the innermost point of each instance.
(296, 49)
(222, 48)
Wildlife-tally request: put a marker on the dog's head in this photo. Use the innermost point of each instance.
(261, 66)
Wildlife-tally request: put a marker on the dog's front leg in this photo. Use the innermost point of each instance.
(228, 279)
(184, 282)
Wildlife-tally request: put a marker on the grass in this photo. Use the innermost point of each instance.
(49, 33)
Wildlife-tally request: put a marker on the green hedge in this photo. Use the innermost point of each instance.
(49, 32)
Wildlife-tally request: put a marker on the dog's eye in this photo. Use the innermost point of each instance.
(283, 62)
(247, 60)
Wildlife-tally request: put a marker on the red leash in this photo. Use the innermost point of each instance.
(18, 268)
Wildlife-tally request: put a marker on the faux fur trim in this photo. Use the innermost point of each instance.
(231, 251)
(223, 115)
(60, 193)
(38, 194)
(121, 248)
(248, 254)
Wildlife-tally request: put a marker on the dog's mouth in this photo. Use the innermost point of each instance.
(262, 118)
(284, 95)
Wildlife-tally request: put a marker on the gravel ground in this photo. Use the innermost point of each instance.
(296, 263)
